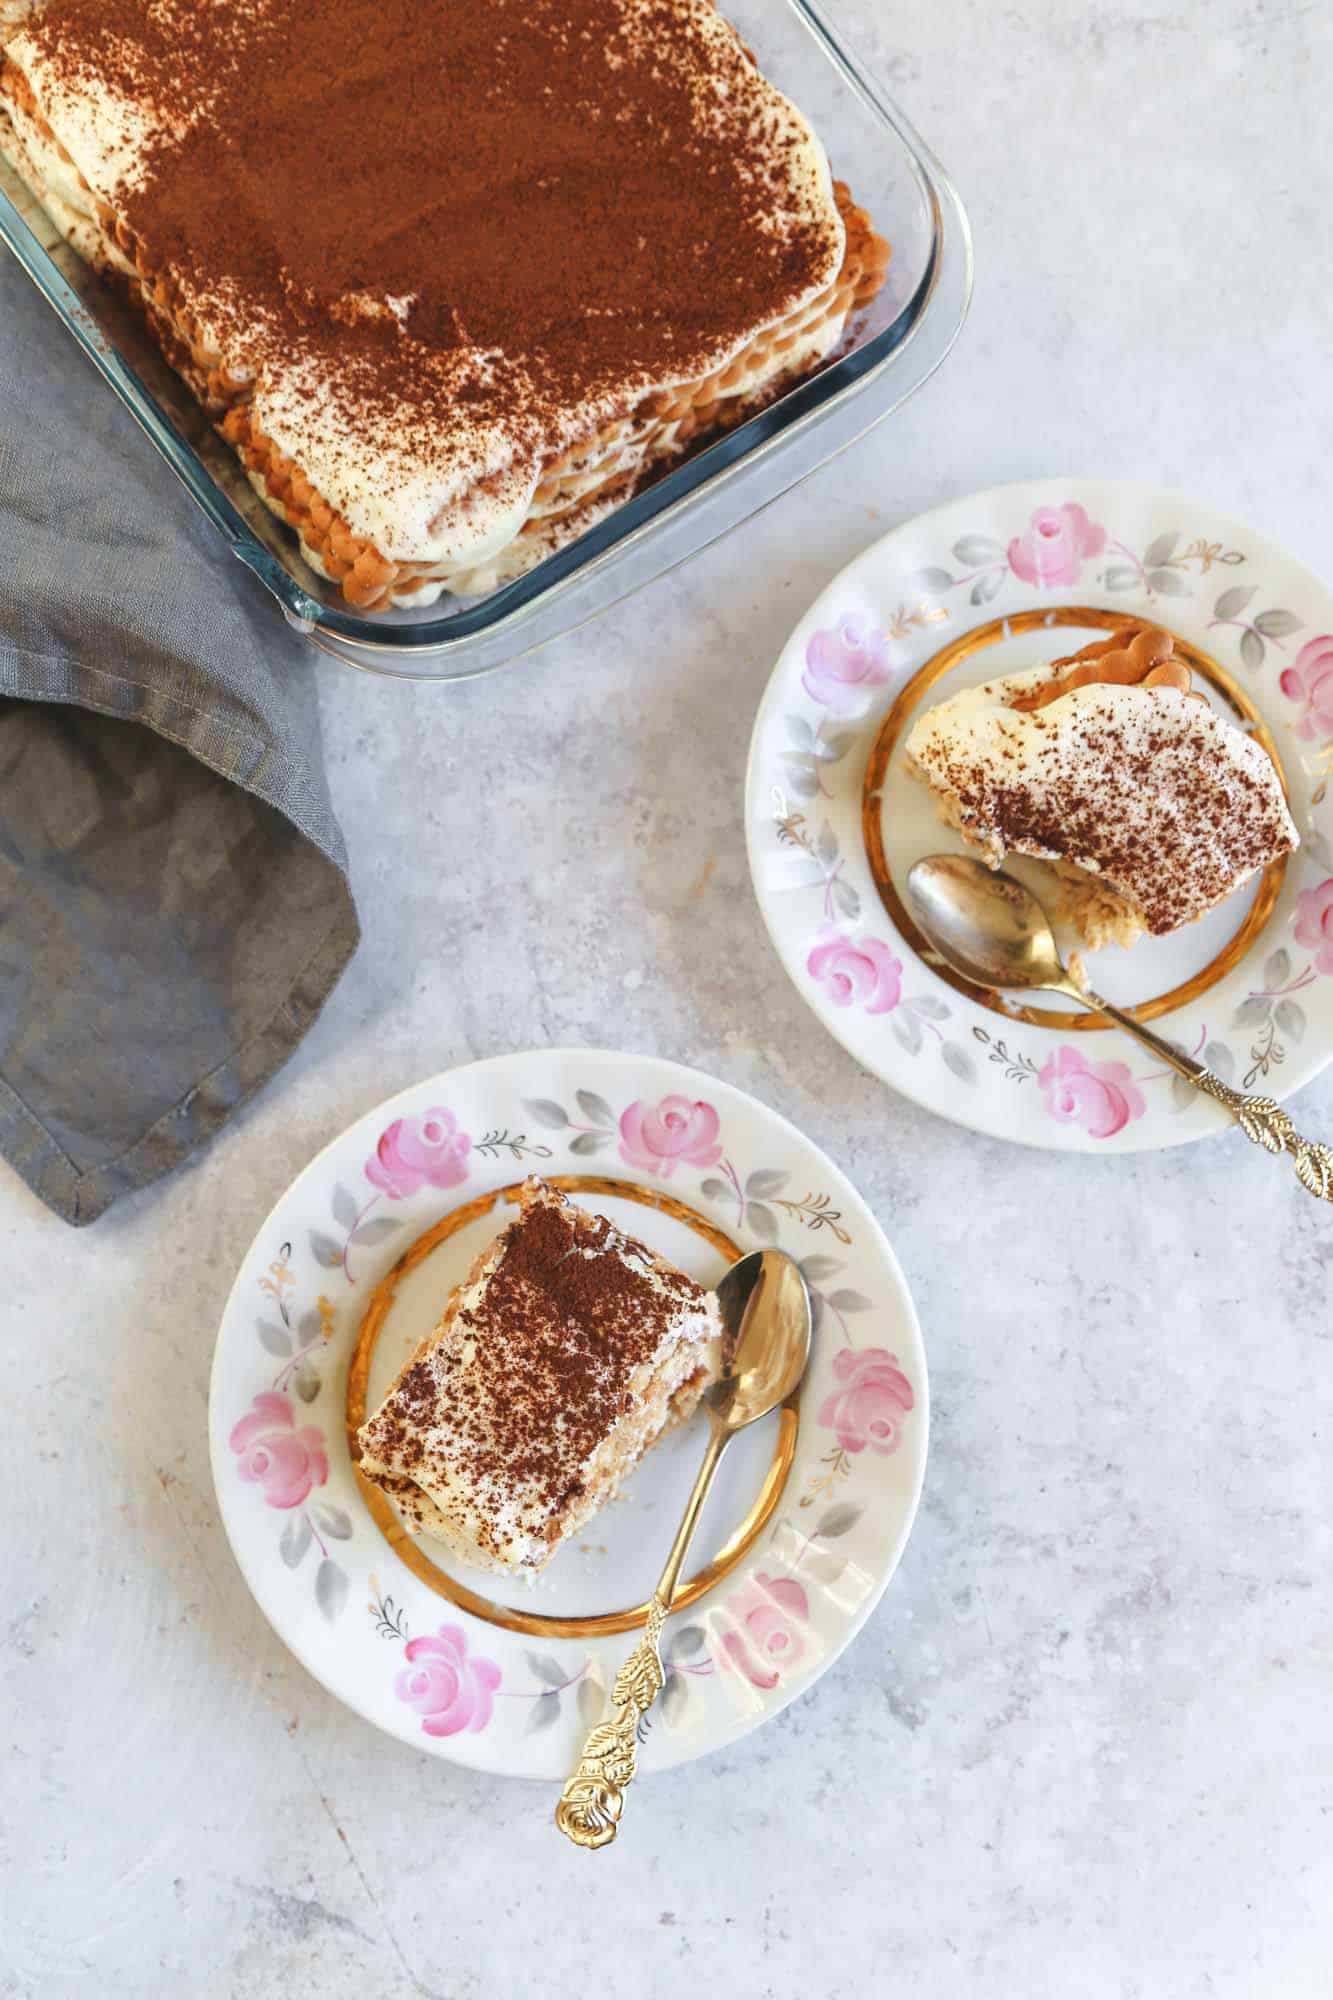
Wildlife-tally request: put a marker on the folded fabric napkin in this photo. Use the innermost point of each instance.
(174, 907)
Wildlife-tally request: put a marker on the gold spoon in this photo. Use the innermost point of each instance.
(993, 931)
(766, 1324)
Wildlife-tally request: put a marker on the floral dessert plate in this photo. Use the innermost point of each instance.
(351, 1270)
(998, 582)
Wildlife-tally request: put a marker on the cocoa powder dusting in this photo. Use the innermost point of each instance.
(512, 204)
(532, 1376)
(1215, 822)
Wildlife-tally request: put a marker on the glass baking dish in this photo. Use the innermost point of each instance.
(898, 344)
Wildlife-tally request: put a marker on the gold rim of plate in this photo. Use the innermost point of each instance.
(432, 1572)
(886, 742)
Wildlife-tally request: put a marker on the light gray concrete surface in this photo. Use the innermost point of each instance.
(1086, 1745)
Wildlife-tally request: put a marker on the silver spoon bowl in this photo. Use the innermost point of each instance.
(992, 930)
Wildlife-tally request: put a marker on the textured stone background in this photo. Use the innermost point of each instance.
(1086, 1745)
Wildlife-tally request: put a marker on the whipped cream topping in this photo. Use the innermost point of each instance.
(1169, 802)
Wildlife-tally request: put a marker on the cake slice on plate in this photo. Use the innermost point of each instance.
(1149, 805)
(561, 1358)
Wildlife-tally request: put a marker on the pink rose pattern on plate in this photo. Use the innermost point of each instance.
(765, 1642)
(413, 1153)
(1059, 540)
(450, 1689)
(871, 1403)
(1312, 924)
(1309, 680)
(285, 1460)
(860, 971)
(844, 664)
(1100, 1097)
(673, 1133)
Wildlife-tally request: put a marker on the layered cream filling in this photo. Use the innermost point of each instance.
(449, 1510)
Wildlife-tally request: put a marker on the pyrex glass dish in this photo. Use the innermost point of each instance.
(898, 343)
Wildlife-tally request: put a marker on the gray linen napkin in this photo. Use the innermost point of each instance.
(174, 908)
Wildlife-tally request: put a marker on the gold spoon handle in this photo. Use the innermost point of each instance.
(1261, 1119)
(593, 1799)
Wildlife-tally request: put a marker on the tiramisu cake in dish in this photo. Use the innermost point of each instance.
(1149, 805)
(454, 277)
(565, 1353)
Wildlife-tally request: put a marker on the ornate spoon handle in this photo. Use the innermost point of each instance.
(1268, 1125)
(593, 1799)
(1261, 1119)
